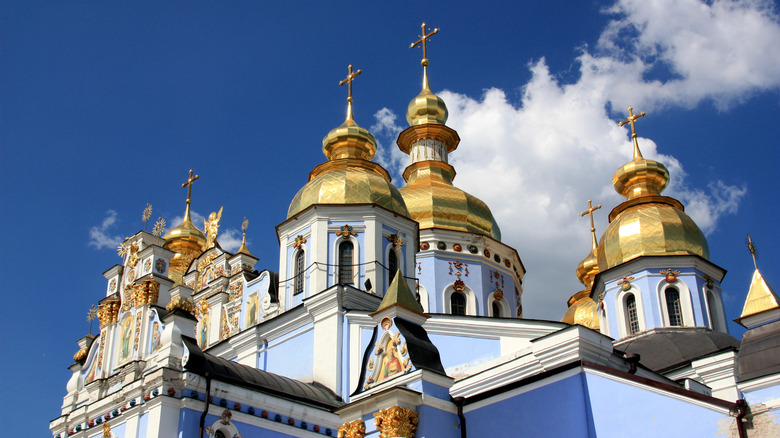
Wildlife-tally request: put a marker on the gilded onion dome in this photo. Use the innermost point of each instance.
(647, 223)
(349, 177)
(433, 201)
(185, 240)
(582, 309)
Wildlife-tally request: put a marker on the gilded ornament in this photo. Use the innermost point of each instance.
(499, 295)
(91, 315)
(106, 430)
(299, 240)
(671, 276)
(396, 240)
(80, 355)
(159, 227)
(346, 231)
(459, 285)
(625, 283)
(226, 417)
(396, 422)
(352, 429)
(180, 304)
(146, 214)
(211, 225)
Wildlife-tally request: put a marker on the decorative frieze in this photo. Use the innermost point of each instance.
(352, 429)
(396, 422)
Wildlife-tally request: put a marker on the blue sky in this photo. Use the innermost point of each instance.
(106, 106)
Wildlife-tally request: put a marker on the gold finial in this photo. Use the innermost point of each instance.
(123, 248)
(159, 227)
(211, 225)
(188, 184)
(106, 430)
(91, 315)
(243, 248)
(348, 80)
(589, 212)
(146, 214)
(631, 119)
(245, 225)
(753, 251)
(424, 41)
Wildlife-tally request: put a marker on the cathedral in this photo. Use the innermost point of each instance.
(397, 312)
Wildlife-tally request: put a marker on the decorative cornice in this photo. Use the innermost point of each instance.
(395, 422)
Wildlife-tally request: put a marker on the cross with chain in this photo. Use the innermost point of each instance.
(424, 40)
(589, 212)
(188, 184)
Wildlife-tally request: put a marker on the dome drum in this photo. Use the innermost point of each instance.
(410, 135)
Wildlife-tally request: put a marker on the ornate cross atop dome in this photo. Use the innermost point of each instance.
(631, 120)
(348, 80)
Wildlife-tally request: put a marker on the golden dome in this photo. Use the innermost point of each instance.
(434, 202)
(349, 177)
(647, 223)
(187, 241)
(582, 310)
(426, 108)
(588, 268)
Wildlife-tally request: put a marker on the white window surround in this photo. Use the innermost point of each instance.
(423, 297)
(294, 271)
(399, 257)
(714, 306)
(229, 430)
(620, 310)
(471, 300)
(355, 260)
(503, 305)
(686, 308)
(603, 320)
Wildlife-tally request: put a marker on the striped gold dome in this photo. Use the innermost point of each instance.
(647, 223)
(582, 310)
(187, 242)
(426, 108)
(434, 202)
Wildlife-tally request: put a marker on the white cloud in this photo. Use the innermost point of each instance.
(98, 235)
(536, 162)
(229, 239)
(389, 157)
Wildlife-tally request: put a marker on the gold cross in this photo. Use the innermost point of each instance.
(631, 119)
(188, 184)
(423, 40)
(589, 212)
(348, 80)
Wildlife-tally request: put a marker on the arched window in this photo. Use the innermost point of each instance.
(673, 306)
(300, 261)
(495, 309)
(345, 262)
(458, 303)
(631, 314)
(392, 264)
(219, 434)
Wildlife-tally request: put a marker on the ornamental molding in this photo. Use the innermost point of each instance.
(352, 429)
(396, 422)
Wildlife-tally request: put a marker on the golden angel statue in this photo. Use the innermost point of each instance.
(211, 226)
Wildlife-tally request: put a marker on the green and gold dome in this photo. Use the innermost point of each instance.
(647, 223)
(349, 176)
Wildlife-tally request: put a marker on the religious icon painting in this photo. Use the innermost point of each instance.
(124, 340)
(159, 265)
(147, 265)
(203, 332)
(156, 333)
(390, 358)
(252, 308)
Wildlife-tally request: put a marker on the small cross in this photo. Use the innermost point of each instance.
(188, 184)
(348, 80)
(589, 212)
(631, 119)
(753, 251)
(423, 40)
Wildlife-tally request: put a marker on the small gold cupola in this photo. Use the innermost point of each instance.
(583, 310)
(349, 176)
(186, 240)
(430, 196)
(647, 223)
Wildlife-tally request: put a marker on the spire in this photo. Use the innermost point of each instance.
(243, 249)
(631, 119)
(188, 184)
(399, 294)
(426, 108)
(348, 80)
(349, 140)
(760, 297)
(424, 42)
(589, 212)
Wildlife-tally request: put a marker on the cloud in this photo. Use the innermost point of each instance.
(98, 235)
(389, 157)
(229, 239)
(535, 162)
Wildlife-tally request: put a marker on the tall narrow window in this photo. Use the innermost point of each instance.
(457, 303)
(631, 314)
(673, 306)
(345, 262)
(392, 264)
(300, 260)
(496, 310)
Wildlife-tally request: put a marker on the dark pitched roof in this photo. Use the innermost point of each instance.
(663, 349)
(422, 352)
(223, 370)
(760, 352)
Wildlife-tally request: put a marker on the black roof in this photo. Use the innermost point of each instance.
(760, 352)
(223, 370)
(663, 349)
